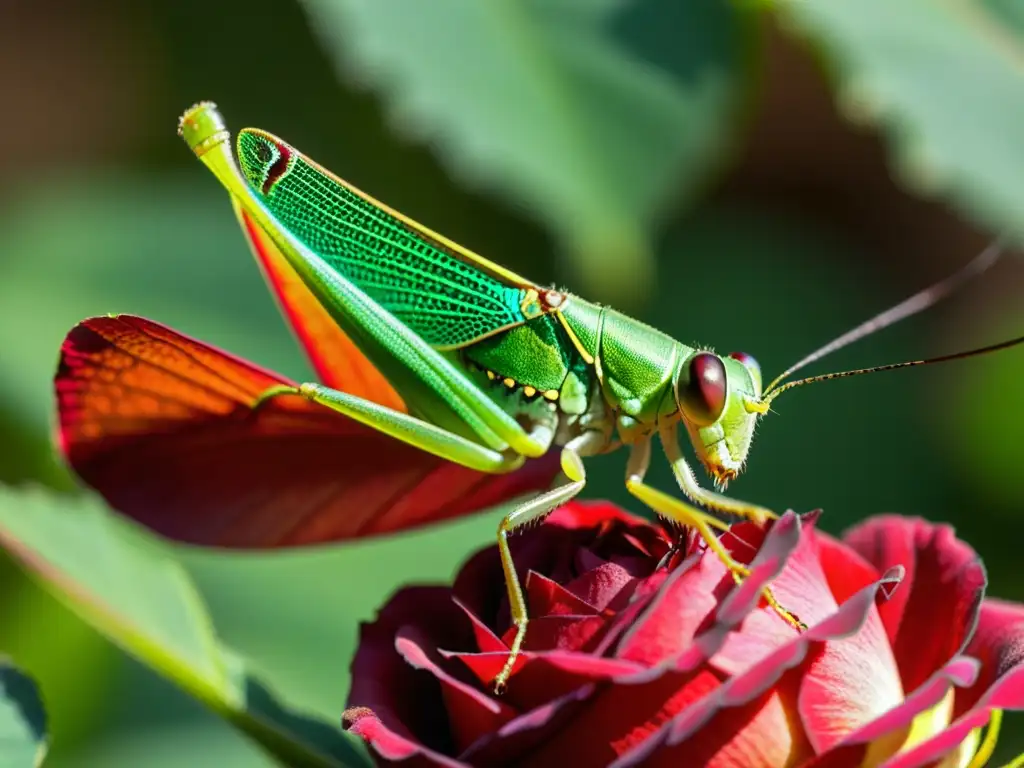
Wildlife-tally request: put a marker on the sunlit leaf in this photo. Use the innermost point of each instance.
(591, 114)
(944, 79)
(23, 727)
(129, 587)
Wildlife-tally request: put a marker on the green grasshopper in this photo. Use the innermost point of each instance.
(496, 369)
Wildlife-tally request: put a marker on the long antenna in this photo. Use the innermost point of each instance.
(916, 303)
(891, 367)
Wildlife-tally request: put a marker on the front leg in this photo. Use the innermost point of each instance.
(681, 513)
(694, 492)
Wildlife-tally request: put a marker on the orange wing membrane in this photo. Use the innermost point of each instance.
(164, 427)
(338, 362)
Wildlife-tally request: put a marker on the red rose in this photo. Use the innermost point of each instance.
(627, 664)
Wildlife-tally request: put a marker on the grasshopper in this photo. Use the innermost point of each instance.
(479, 367)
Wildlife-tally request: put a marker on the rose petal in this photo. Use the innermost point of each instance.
(585, 514)
(998, 643)
(486, 640)
(382, 680)
(667, 623)
(684, 732)
(799, 585)
(845, 569)
(937, 563)
(391, 746)
(602, 585)
(520, 738)
(853, 680)
(565, 633)
(547, 598)
(960, 672)
(621, 716)
(472, 713)
(1006, 693)
(540, 677)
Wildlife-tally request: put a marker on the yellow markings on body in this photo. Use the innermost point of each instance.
(530, 305)
(492, 375)
(550, 394)
(529, 391)
(510, 383)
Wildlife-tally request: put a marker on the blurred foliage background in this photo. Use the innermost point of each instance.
(753, 177)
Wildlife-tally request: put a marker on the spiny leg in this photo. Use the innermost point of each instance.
(534, 510)
(682, 513)
(694, 492)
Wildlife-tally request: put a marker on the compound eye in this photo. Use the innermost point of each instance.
(750, 364)
(703, 389)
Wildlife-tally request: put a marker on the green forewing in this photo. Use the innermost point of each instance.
(441, 297)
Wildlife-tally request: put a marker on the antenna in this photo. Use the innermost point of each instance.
(891, 367)
(919, 302)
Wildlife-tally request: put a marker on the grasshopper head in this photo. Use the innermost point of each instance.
(712, 394)
(264, 159)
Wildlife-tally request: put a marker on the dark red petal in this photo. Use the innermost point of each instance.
(591, 514)
(394, 747)
(937, 563)
(517, 742)
(620, 716)
(163, 426)
(603, 585)
(547, 598)
(542, 677)
(472, 714)
(684, 732)
(408, 702)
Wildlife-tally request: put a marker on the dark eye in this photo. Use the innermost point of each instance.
(702, 389)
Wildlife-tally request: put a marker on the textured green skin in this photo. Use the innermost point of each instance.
(477, 319)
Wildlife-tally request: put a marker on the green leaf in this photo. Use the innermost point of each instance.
(590, 114)
(131, 589)
(944, 79)
(23, 727)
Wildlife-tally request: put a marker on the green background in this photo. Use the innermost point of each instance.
(750, 178)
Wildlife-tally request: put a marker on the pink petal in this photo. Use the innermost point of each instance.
(998, 643)
(960, 672)
(393, 747)
(937, 563)
(701, 590)
(683, 733)
(1006, 693)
